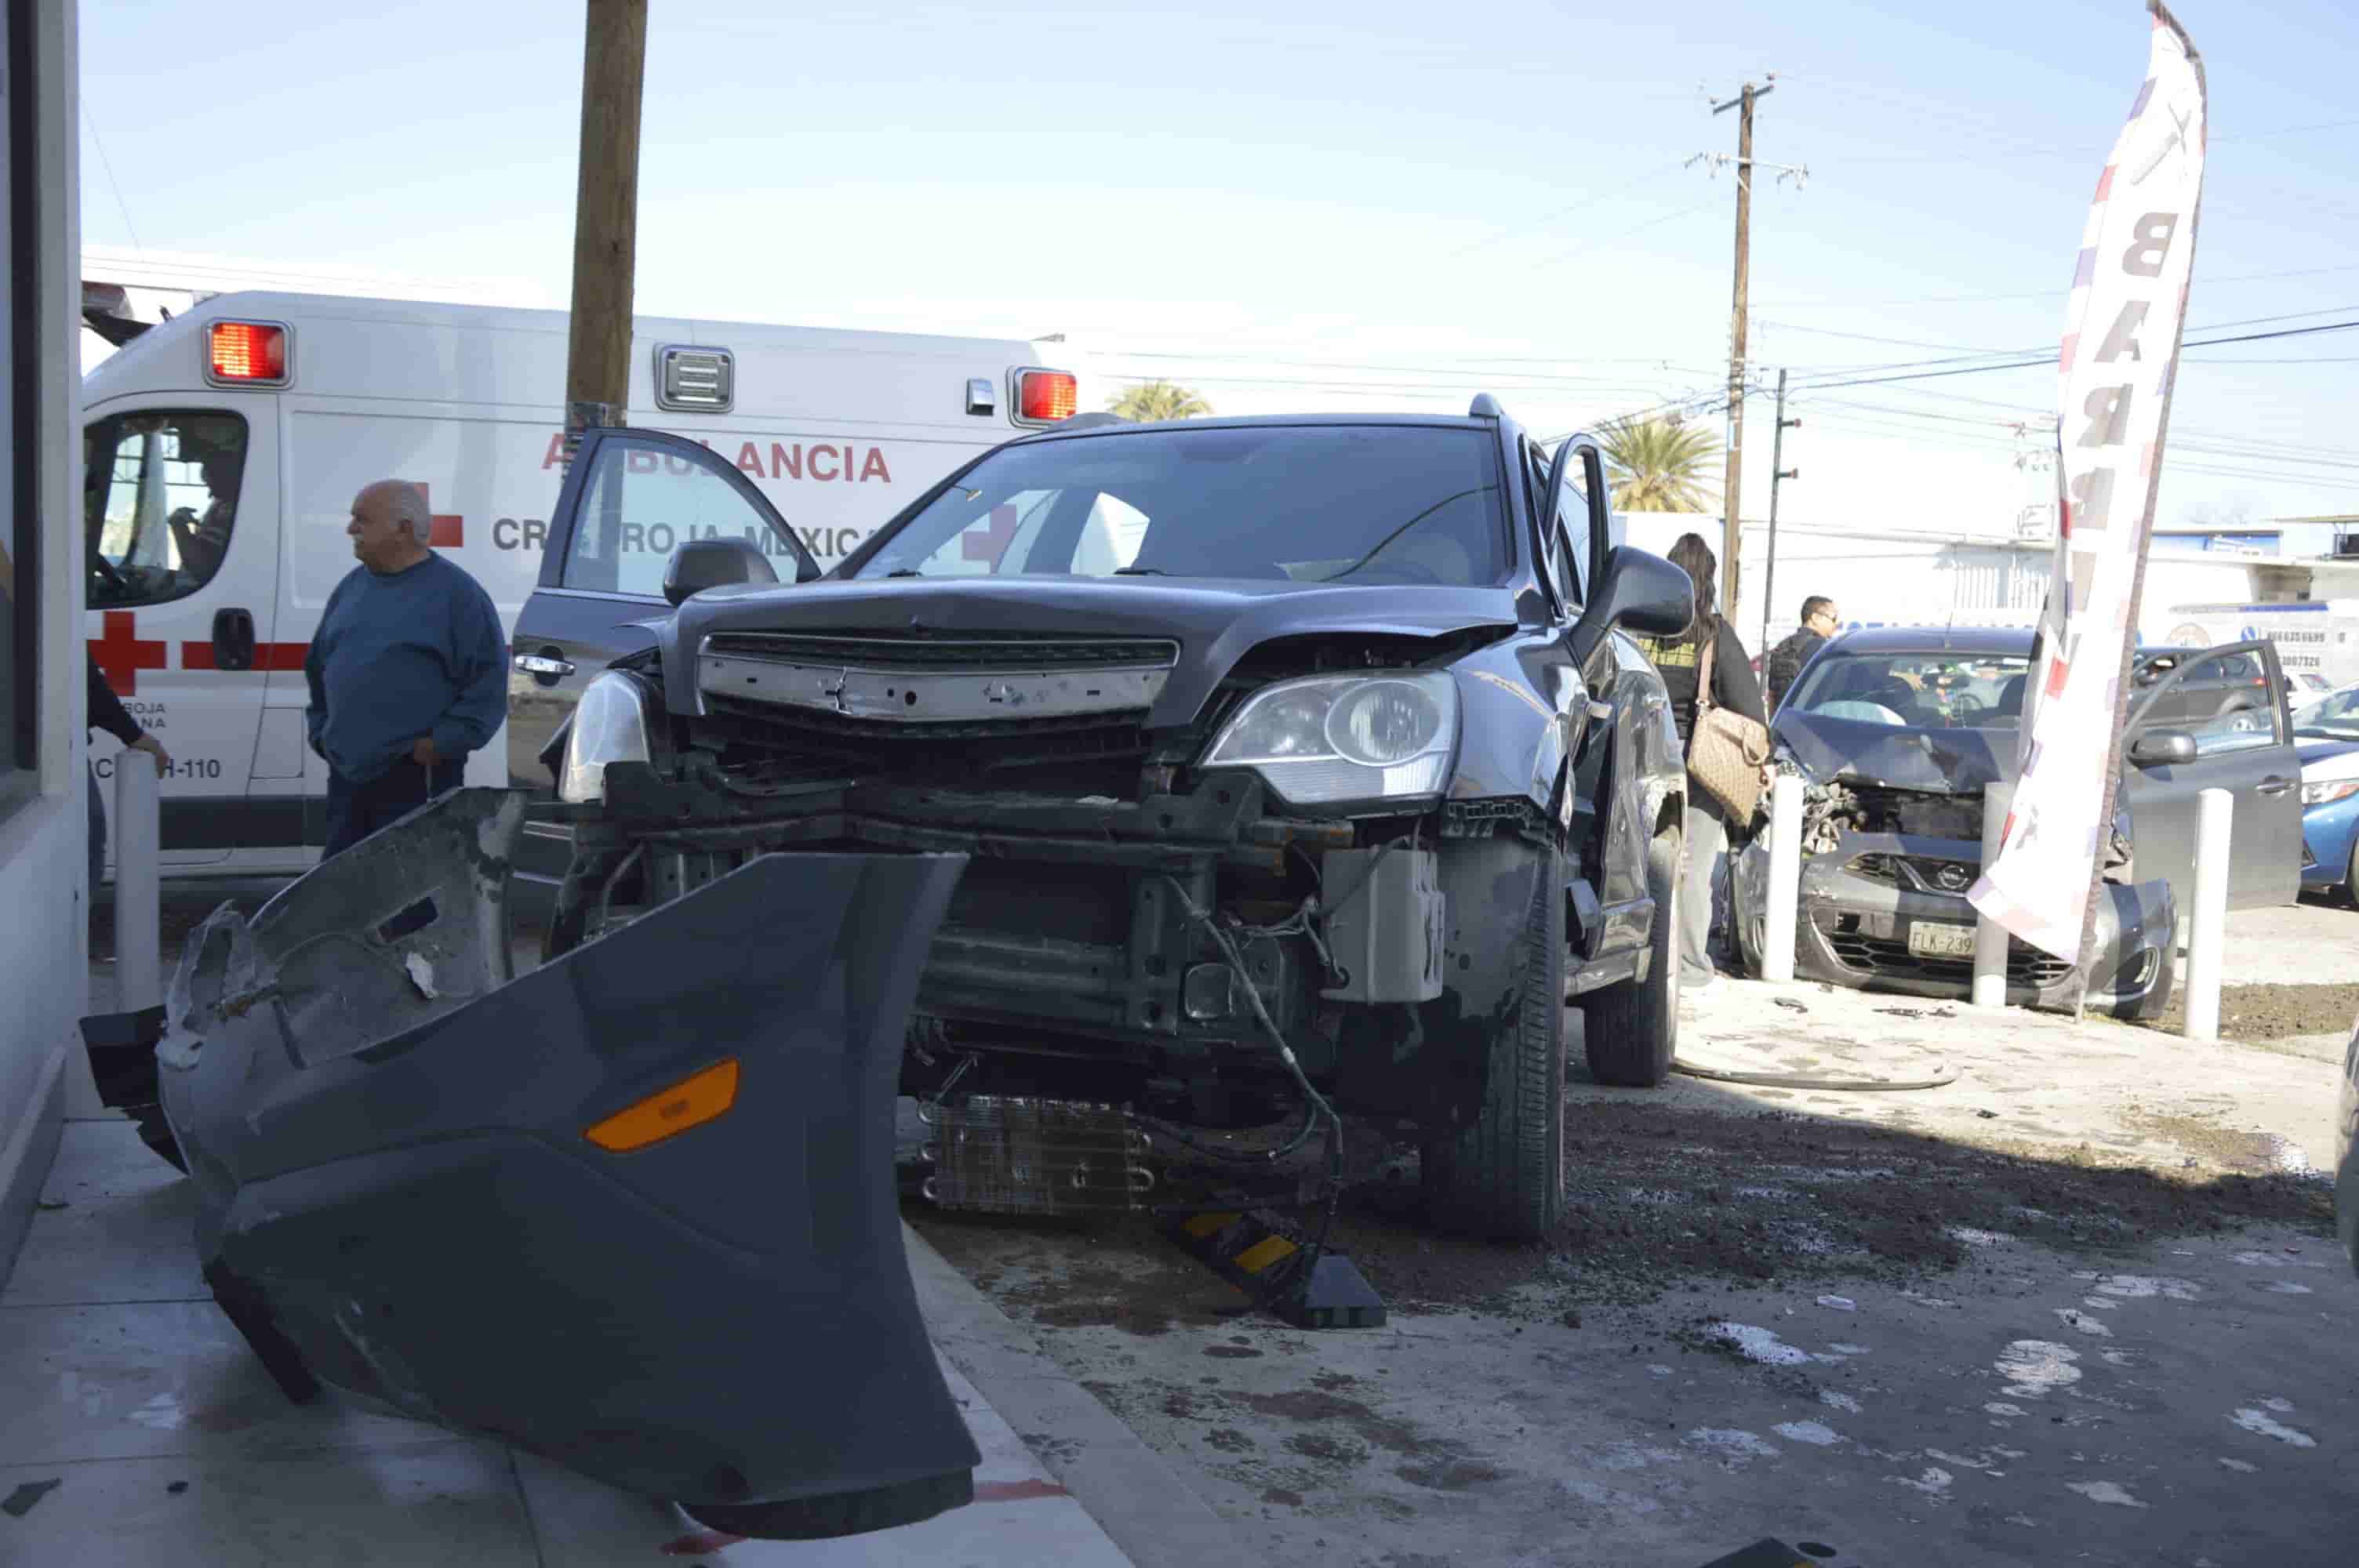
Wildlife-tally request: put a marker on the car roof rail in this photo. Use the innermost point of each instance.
(1485, 407)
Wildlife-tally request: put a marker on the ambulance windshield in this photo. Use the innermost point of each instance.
(159, 499)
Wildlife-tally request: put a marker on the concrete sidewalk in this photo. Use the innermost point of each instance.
(2033, 1080)
(137, 1428)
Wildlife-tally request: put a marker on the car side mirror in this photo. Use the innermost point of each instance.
(1641, 591)
(699, 564)
(2157, 747)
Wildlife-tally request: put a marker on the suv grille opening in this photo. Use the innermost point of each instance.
(1094, 755)
(965, 651)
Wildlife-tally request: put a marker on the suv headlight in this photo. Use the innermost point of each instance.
(1330, 738)
(610, 725)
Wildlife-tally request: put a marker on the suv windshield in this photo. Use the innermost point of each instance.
(1390, 504)
(1943, 690)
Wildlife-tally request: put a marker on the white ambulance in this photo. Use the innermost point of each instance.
(222, 449)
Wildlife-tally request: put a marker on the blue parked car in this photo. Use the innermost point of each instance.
(2326, 737)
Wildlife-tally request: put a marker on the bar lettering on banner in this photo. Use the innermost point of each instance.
(2130, 284)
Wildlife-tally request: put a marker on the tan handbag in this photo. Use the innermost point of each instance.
(1726, 750)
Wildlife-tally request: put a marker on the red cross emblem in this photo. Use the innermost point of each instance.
(450, 528)
(993, 542)
(122, 655)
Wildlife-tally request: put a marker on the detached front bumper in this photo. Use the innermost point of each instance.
(398, 1195)
(1861, 901)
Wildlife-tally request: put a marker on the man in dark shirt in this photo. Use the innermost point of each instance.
(107, 713)
(408, 670)
(1786, 660)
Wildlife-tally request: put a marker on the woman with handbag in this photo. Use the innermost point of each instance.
(1724, 734)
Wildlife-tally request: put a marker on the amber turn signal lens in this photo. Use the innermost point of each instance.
(692, 1102)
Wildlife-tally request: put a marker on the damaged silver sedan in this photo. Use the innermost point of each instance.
(633, 1210)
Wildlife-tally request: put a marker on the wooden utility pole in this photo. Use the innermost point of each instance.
(605, 215)
(1733, 525)
(1777, 472)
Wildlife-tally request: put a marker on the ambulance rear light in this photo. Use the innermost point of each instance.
(1045, 397)
(247, 353)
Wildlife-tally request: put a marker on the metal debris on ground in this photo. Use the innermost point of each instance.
(1789, 1001)
(1013, 1154)
(1770, 1553)
(19, 1503)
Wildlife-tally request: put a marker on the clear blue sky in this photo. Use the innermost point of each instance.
(1353, 206)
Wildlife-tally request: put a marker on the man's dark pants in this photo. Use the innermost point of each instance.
(356, 811)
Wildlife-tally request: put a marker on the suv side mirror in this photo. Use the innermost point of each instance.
(1642, 593)
(700, 563)
(2162, 746)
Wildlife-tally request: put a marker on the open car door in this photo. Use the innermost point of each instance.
(634, 1211)
(2246, 750)
(630, 500)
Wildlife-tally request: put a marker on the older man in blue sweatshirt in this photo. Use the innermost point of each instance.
(408, 670)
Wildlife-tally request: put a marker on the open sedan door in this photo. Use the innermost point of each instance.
(2247, 750)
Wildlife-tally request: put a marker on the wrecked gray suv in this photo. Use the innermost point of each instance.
(1302, 764)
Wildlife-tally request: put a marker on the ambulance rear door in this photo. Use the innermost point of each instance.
(180, 511)
(487, 490)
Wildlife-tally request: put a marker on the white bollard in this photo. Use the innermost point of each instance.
(1784, 893)
(138, 963)
(1990, 936)
(2214, 811)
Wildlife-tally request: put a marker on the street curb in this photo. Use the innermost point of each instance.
(1136, 1497)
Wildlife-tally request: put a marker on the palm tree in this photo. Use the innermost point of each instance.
(1160, 400)
(1657, 465)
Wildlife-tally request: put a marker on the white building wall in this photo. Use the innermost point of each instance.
(44, 924)
(1899, 578)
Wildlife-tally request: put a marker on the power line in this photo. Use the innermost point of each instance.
(108, 165)
(1969, 349)
(2049, 293)
(2083, 150)
(2051, 359)
(2178, 456)
(1655, 221)
(1551, 216)
(2039, 355)
(1988, 433)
